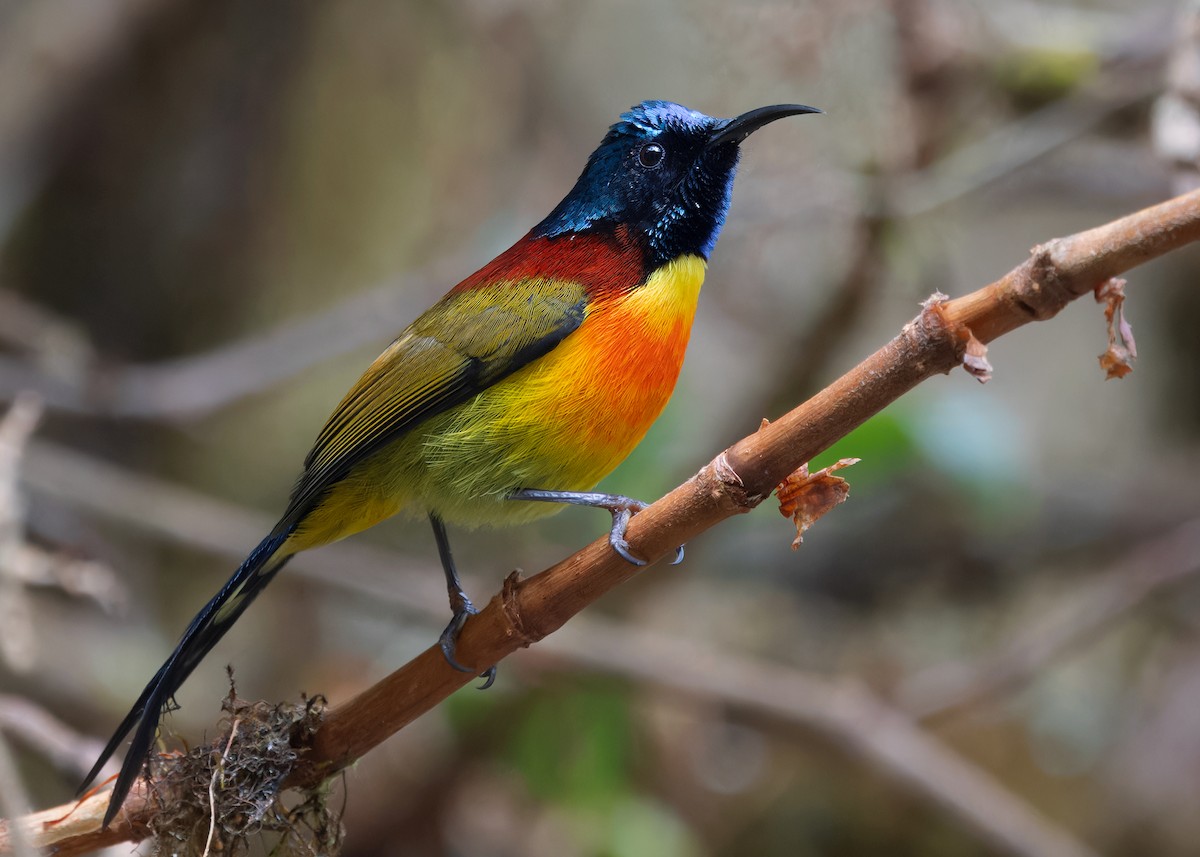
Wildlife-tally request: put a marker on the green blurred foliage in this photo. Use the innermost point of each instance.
(575, 746)
(1036, 76)
(885, 444)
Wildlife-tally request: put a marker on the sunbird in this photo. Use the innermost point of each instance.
(529, 381)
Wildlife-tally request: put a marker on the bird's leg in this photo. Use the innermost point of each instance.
(620, 507)
(460, 605)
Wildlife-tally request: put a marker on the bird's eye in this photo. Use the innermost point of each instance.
(651, 155)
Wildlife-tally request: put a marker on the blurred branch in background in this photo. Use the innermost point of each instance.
(51, 54)
(1127, 73)
(40, 731)
(24, 565)
(841, 713)
(914, 172)
(17, 650)
(16, 427)
(67, 374)
(187, 517)
(16, 620)
(1147, 571)
(1175, 122)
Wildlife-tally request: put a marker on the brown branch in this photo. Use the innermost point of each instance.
(747, 472)
(739, 478)
(74, 828)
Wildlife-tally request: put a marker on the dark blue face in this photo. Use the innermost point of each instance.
(658, 172)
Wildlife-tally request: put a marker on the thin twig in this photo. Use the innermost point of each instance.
(218, 772)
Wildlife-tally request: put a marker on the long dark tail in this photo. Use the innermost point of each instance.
(202, 634)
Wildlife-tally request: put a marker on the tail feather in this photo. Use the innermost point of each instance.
(209, 626)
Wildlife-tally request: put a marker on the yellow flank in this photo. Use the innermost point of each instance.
(561, 423)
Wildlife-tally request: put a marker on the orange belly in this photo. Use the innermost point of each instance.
(561, 423)
(567, 419)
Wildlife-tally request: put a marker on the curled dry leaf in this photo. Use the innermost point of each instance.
(975, 360)
(804, 497)
(1117, 360)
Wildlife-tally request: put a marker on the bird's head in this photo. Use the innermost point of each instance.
(665, 172)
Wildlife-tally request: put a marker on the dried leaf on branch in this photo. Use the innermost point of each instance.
(805, 497)
(1117, 360)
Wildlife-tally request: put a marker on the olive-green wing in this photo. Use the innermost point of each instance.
(459, 347)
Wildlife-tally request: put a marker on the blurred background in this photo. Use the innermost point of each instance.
(214, 214)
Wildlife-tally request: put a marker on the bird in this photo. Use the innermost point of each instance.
(518, 391)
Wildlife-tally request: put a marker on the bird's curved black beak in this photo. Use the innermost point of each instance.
(740, 127)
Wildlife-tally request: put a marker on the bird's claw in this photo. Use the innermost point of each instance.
(621, 508)
(448, 642)
(616, 536)
(488, 676)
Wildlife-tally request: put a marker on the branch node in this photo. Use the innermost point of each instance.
(931, 330)
(729, 486)
(1045, 291)
(936, 324)
(510, 603)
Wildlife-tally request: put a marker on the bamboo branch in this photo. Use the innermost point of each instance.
(734, 482)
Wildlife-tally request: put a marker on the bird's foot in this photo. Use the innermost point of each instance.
(621, 508)
(448, 641)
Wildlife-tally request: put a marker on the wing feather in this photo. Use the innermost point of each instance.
(459, 347)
